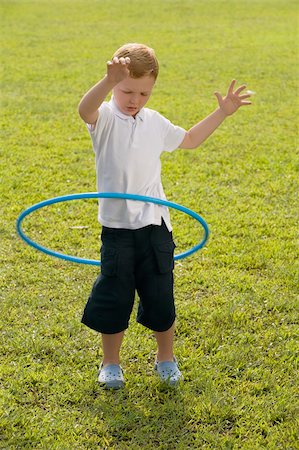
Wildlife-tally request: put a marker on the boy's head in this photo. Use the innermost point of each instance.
(134, 92)
(143, 60)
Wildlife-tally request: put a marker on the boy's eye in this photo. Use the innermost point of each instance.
(143, 94)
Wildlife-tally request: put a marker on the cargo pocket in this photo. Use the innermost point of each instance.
(108, 261)
(164, 256)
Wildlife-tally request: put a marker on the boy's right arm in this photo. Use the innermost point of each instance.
(117, 70)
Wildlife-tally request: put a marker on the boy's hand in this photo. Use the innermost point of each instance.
(232, 101)
(117, 69)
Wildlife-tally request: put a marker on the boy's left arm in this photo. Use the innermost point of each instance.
(228, 105)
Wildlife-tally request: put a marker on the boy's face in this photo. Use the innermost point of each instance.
(132, 94)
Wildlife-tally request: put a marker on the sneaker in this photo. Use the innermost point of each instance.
(168, 372)
(111, 376)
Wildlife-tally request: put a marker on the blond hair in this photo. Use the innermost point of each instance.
(143, 60)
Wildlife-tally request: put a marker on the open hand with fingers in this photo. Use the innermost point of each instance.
(233, 100)
(118, 70)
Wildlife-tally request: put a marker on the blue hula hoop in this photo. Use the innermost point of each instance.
(90, 195)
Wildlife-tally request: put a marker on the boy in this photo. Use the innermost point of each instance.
(137, 245)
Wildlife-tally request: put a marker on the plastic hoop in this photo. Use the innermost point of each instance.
(89, 195)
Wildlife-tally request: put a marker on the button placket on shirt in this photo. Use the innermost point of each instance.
(133, 128)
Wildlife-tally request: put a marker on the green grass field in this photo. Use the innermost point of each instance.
(237, 299)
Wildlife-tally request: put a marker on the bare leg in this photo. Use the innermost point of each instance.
(165, 344)
(111, 347)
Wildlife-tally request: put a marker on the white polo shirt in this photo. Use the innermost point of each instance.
(127, 152)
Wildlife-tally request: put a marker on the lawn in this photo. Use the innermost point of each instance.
(237, 299)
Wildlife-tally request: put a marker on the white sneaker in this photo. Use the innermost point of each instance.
(111, 376)
(168, 372)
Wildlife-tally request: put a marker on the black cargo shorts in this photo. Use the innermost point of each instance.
(139, 260)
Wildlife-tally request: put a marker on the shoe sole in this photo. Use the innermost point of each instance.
(171, 383)
(115, 385)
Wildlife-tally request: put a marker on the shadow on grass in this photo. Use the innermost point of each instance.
(143, 415)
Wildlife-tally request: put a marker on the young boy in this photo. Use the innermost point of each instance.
(137, 244)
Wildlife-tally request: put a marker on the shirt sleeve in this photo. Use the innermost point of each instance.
(96, 130)
(172, 134)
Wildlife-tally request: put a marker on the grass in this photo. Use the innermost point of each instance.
(237, 300)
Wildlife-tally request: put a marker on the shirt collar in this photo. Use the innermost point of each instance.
(118, 113)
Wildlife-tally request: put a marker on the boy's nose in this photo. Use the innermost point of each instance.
(133, 99)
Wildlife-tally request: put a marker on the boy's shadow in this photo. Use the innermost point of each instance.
(150, 415)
